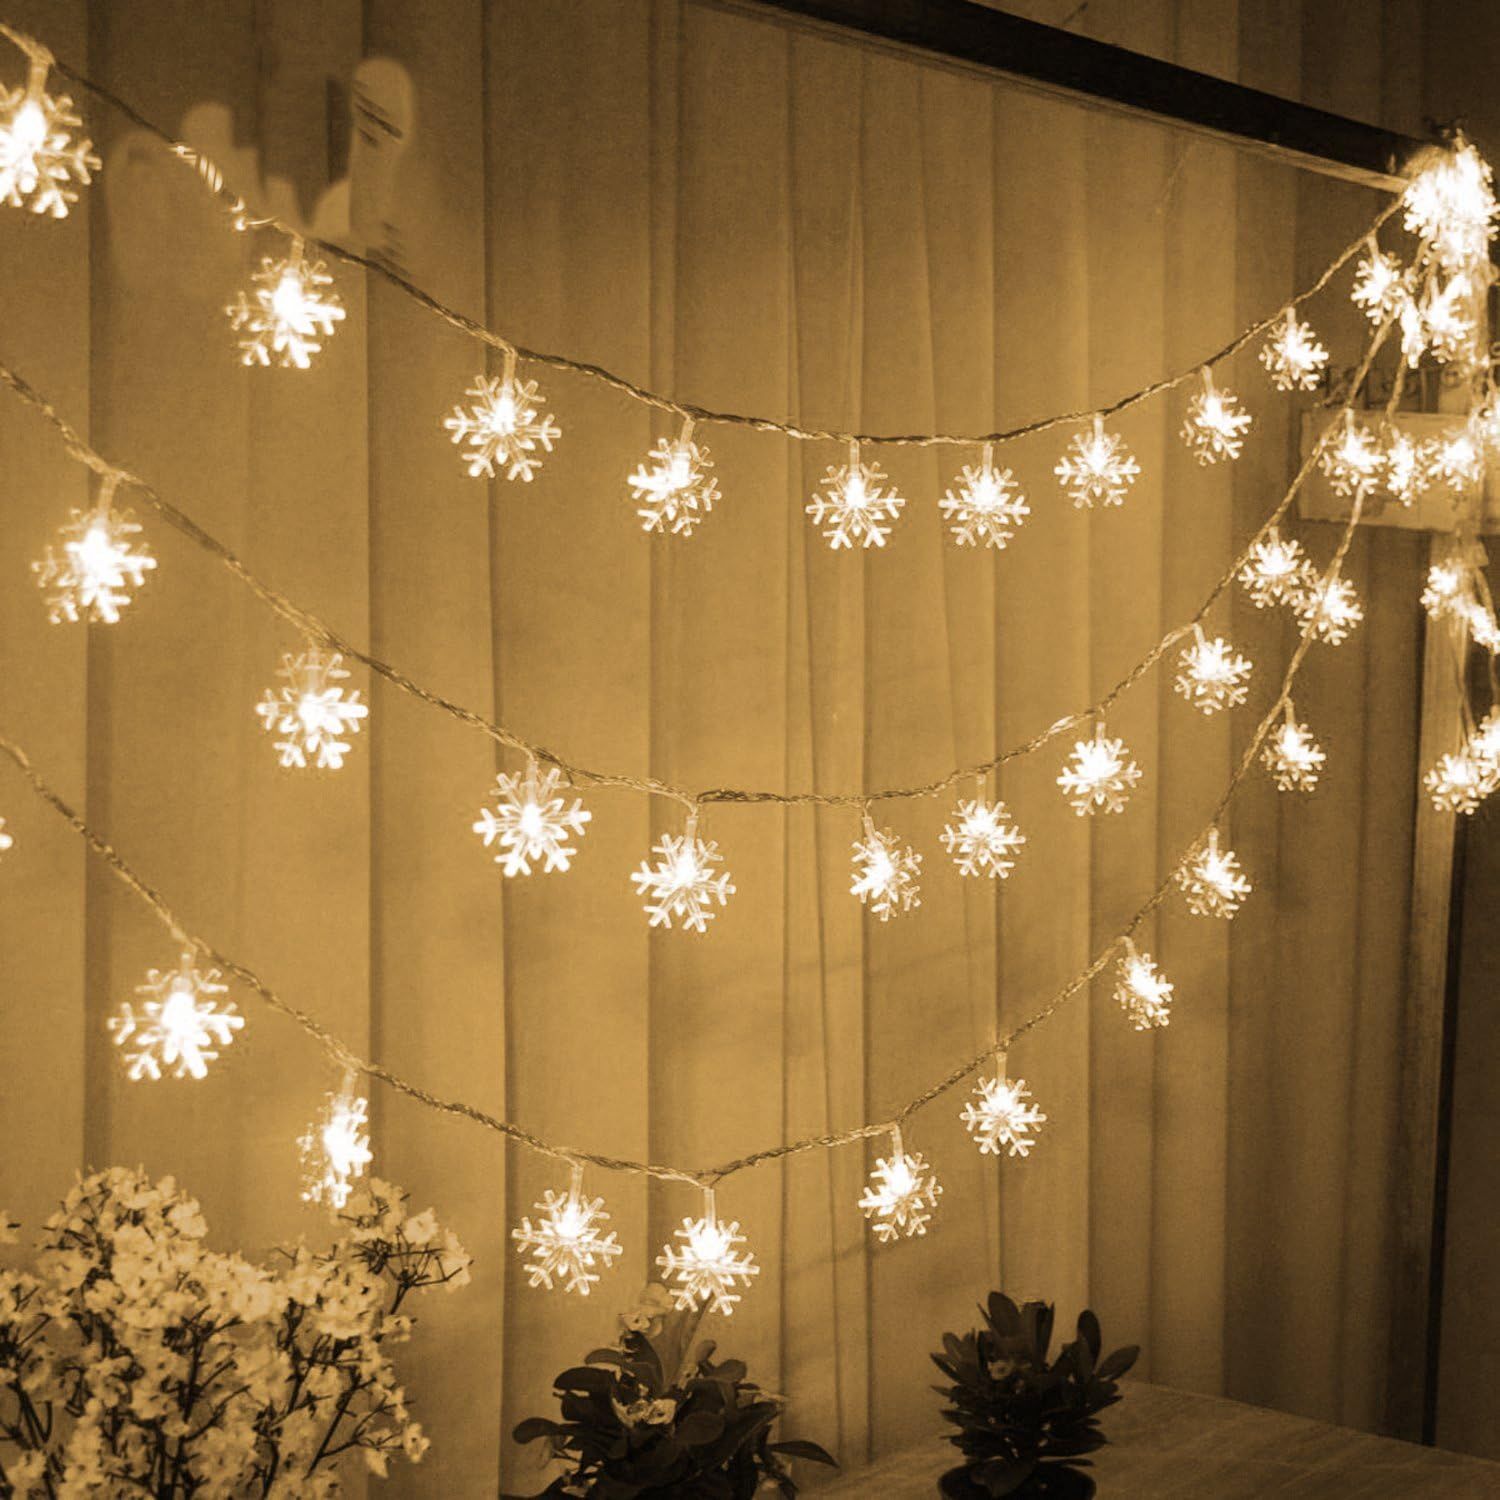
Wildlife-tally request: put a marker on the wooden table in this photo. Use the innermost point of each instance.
(1169, 1445)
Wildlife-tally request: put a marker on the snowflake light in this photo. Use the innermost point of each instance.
(1351, 462)
(1452, 204)
(999, 1115)
(984, 505)
(1407, 466)
(531, 820)
(1292, 755)
(1292, 355)
(707, 1267)
(683, 885)
(1458, 461)
(857, 502)
(566, 1246)
(96, 563)
(1449, 587)
(901, 1194)
(1458, 783)
(1380, 284)
(1100, 775)
(289, 310)
(178, 1026)
(1216, 424)
(1212, 675)
(335, 1147)
(312, 712)
(1212, 881)
(1272, 573)
(675, 488)
(1413, 329)
(1328, 609)
(886, 873)
(39, 160)
(503, 426)
(1484, 743)
(1097, 469)
(1484, 420)
(982, 839)
(1141, 990)
(1448, 327)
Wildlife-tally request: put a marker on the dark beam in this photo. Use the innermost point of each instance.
(1067, 66)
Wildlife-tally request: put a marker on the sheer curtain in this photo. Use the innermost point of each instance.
(765, 221)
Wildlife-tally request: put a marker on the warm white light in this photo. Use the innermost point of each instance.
(857, 503)
(984, 505)
(1141, 990)
(7, 843)
(1097, 469)
(707, 1267)
(999, 1116)
(566, 1245)
(1212, 676)
(902, 1193)
(1380, 285)
(178, 1027)
(1449, 585)
(1451, 203)
(675, 488)
(1407, 466)
(682, 885)
(39, 159)
(1447, 323)
(982, 839)
(1216, 423)
(1352, 462)
(1458, 460)
(1292, 355)
(1212, 880)
(1460, 782)
(335, 1147)
(1292, 755)
(288, 313)
(531, 820)
(97, 562)
(1100, 775)
(312, 712)
(886, 873)
(502, 428)
(1272, 574)
(1329, 609)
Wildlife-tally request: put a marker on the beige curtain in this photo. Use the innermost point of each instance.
(763, 221)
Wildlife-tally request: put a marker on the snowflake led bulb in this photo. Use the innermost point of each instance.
(1380, 285)
(1212, 881)
(1458, 461)
(531, 820)
(1484, 743)
(707, 1267)
(1141, 990)
(1216, 424)
(678, 489)
(1351, 462)
(1448, 329)
(39, 160)
(857, 502)
(1097, 469)
(1292, 755)
(886, 873)
(1212, 676)
(1452, 204)
(982, 839)
(1459, 783)
(1328, 609)
(984, 505)
(683, 884)
(503, 426)
(1100, 775)
(312, 713)
(335, 1147)
(1449, 587)
(1272, 574)
(288, 312)
(1407, 467)
(999, 1116)
(1292, 355)
(566, 1245)
(89, 575)
(178, 1026)
(902, 1193)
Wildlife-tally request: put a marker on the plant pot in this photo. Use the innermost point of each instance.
(1046, 1482)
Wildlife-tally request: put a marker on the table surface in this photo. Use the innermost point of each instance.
(1170, 1445)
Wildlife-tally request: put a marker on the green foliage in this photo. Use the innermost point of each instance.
(1024, 1425)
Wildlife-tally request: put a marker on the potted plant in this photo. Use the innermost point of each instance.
(1025, 1426)
(655, 1416)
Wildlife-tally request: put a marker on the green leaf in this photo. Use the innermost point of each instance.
(801, 1448)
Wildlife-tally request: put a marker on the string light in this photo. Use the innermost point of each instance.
(675, 488)
(178, 1026)
(335, 1147)
(1216, 423)
(1352, 465)
(982, 839)
(1097, 469)
(289, 311)
(503, 426)
(707, 1267)
(1461, 781)
(566, 1246)
(97, 562)
(1100, 775)
(1272, 574)
(531, 820)
(682, 885)
(984, 505)
(857, 502)
(1292, 355)
(1328, 609)
(1212, 676)
(886, 873)
(1380, 284)
(999, 1115)
(1451, 203)
(39, 160)
(1212, 881)
(1292, 755)
(312, 712)
(902, 1193)
(1141, 990)
(1408, 466)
